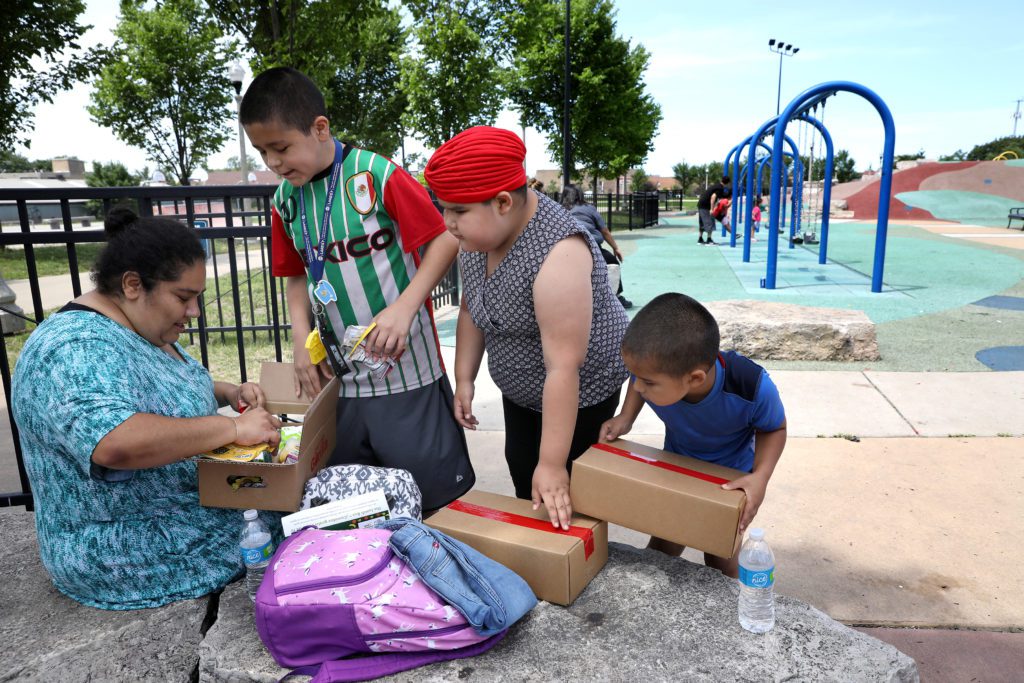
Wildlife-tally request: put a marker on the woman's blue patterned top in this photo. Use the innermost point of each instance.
(116, 539)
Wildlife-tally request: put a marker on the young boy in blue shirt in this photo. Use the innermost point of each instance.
(719, 407)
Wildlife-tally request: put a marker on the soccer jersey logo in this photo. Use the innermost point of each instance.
(361, 194)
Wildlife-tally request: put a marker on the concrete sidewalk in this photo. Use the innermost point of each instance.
(872, 522)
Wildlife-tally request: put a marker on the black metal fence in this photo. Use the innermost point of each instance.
(630, 211)
(245, 306)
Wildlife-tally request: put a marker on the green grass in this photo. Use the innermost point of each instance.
(50, 260)
(222, 353)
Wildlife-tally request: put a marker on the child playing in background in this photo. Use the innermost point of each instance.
(536, 297)
(347, 227)
(719, 407)
(721, 213)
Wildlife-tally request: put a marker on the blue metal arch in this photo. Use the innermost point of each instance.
(779, 138)
(802, 104)
(826, 191)
(755, 141)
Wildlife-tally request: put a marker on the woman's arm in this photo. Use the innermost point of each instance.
(145, 440)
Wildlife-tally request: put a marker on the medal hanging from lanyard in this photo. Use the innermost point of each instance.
(323, 292)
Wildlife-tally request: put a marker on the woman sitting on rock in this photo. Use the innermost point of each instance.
(111, 409)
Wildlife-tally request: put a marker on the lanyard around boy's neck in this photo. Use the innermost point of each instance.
(322, 288)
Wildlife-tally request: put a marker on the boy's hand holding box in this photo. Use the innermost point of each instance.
(670, 496)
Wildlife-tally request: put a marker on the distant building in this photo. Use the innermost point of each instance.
(235, 178)
(65, 174)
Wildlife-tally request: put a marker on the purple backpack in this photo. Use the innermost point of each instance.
(330, 594)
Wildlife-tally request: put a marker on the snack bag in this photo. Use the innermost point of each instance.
(262, 452)
(288, 449)
(352, 344)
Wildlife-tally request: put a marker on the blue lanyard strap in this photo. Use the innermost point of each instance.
(316, 260)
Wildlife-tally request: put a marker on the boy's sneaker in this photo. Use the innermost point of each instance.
(700, 240)
(712, 242)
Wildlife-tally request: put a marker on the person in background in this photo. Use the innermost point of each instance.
(110, 410)
(719, 407)
(707, 201)
(590, 218)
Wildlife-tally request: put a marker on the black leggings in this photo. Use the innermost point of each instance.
(522, 438)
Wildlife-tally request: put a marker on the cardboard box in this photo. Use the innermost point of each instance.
(670, 496)
(278, 487)
(557, 564)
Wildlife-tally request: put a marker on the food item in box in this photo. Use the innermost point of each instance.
(262, 452)
(355, 349)
(288, 449)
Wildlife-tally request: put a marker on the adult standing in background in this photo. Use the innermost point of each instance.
(705, 203)
(589, 217)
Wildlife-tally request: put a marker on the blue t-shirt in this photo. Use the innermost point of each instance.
(116, 539)
(720, 428)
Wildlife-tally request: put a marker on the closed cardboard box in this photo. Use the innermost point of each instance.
(557, 564)
(265, 486)
(670, 496)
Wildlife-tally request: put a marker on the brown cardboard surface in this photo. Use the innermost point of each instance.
(553, 564)
(277, 380)
(670, 505)
(283, 484)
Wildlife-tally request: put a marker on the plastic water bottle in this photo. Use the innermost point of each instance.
(256, 546)
(757, 581)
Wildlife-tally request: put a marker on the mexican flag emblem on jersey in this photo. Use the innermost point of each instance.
(361, 194)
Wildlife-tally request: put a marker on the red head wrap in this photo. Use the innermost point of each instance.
(477, 164)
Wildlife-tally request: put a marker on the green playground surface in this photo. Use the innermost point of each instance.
(925, 316)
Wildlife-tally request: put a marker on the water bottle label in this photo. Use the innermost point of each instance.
(257, 555)
(758, 579)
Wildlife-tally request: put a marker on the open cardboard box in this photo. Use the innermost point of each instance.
(557, 565)
(656, 492)
(278, 487)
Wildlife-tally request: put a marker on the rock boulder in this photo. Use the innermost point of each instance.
(767, 330)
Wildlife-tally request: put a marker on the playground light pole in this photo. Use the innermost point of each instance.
(783, 50)
(235, 74)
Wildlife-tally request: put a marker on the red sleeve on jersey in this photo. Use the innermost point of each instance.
(286, 261)
(409, 205)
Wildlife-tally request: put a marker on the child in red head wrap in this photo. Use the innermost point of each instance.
(536, 297)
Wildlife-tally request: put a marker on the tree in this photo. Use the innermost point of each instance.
(688, 177)
(39, 57)
(351, 50)
(11, 162)
(958, 155)
(453, 79)
(639, 181)
(165, 89)
(613, 119)
(842, 167)
(251, 163)
(990, 150)
(111, 174)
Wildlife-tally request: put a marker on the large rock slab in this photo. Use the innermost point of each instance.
(50, 637)
(645, 617)
(768, 330)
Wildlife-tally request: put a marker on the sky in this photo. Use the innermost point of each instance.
(949, 74)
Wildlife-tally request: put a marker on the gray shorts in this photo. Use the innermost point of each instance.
(707, 221)
(413, 430)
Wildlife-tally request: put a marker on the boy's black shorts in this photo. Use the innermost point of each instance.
(413, 430)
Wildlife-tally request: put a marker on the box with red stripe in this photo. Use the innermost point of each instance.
(557, 564)
(671, 496)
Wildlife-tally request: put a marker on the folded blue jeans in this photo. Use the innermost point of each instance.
(490, 595)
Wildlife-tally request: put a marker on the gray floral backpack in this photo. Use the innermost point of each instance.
(345, 481)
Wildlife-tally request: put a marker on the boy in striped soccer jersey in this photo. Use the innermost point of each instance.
(366, 221)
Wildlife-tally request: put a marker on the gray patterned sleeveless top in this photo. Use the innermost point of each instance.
(502, 307)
